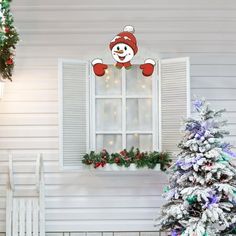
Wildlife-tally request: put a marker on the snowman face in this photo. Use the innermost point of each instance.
(122, 53)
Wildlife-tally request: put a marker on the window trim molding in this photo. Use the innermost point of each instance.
(123, 108)
(155, 107)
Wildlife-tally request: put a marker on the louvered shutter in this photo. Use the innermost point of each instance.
(174, 100)
(73, 94)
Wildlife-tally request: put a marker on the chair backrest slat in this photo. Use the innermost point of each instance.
(15, 217)
(22, 217)
(9, 206)
(29, 217)
(35, 217)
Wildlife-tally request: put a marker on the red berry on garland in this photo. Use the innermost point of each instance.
(97, 164)
(7, 29)
(9, 61)
(117, 160)
(123, 153)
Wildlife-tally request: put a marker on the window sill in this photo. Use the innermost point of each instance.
(116, 168)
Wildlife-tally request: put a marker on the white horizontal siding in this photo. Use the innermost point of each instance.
(92, 198)
(103, 234)
(107, 234)
(203, 30)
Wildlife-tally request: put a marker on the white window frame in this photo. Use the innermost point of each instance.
(123, 96)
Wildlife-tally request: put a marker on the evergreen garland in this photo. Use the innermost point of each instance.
(127, 157)
(8, 40)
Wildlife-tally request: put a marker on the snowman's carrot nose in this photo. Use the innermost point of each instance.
(119, 51)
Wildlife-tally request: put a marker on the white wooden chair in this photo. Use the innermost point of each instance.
(25, 215)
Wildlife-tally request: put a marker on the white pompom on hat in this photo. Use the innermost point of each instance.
(129, 28)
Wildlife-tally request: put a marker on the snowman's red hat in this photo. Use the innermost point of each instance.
(127, 37)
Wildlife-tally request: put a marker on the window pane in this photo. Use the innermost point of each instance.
(108, 114)
(142, 141)
(112, 143)
(110, 83)
(137, 84)
(139, 114)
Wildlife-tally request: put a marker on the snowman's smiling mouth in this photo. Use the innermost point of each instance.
(122, 58)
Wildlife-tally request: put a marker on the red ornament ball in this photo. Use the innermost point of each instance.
(9, 61)
(7, 29)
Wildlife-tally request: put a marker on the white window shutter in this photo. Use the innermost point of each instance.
(174, 100)
(73, 96)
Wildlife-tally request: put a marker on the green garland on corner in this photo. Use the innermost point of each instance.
(125, 158)
(8, 40)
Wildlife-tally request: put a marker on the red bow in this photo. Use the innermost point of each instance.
(125, 64)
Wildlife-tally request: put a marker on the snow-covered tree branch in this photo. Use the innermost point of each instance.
(202, 186)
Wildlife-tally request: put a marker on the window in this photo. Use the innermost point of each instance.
(124, 110)
(121, 109)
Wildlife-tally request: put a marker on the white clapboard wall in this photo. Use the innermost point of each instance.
(148, 233)
(203, 30)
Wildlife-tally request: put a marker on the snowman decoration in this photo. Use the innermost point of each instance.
(123, 48)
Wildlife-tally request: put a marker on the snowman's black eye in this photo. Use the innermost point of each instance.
(118, 48)
(125, 48)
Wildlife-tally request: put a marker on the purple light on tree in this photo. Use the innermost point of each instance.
(226, 148)
(212, 200)
(197, 104)
(193, 127)
(175, 232)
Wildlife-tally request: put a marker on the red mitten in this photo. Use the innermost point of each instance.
(98, 67)
(148, 67)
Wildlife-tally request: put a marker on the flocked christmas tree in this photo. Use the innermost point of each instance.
(202, 187)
